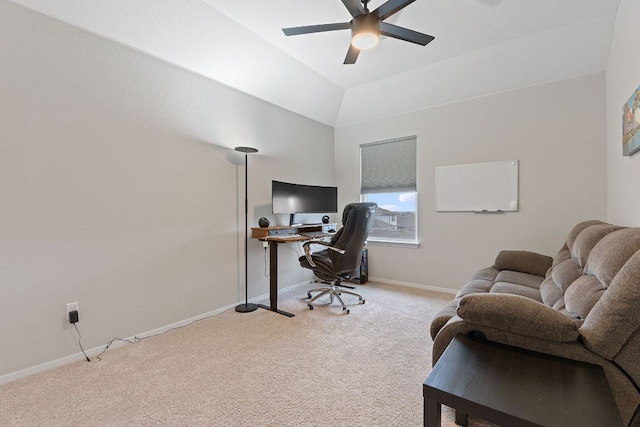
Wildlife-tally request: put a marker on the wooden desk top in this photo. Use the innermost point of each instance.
(282, 233)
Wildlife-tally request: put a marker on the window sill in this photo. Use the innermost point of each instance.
(394, 243)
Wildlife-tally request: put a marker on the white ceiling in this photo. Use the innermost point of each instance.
(480, 47)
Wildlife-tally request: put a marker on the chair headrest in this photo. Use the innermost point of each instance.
(363, 206)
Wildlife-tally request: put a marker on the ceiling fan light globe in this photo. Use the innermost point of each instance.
(364, 40)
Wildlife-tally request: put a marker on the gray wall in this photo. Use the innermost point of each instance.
(623, 78)
(556, 131)
(116, 190)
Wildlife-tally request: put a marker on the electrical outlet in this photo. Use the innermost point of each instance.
(71, 307)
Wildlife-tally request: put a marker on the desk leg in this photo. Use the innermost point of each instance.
(432, 413)
(273, 280)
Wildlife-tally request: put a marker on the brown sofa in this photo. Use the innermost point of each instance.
(582, 304)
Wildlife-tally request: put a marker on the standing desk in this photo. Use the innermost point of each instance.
(282, 234)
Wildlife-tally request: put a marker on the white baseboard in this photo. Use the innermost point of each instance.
(97, 350)
(118, 343)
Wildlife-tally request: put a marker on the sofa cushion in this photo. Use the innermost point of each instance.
(519, 315)
(524, 262)
(582, 295)
(518, 278)
(614, 318)
(487, 273)
(562, 255)
(550, 292)
(515, 289)
(475, 286)
(610, 254)
(577, 229)
(604, 261)
(587, 239)
(565, 273)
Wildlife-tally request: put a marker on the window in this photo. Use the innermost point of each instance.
(388, 178)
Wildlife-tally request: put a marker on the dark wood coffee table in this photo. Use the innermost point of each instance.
(510, 386)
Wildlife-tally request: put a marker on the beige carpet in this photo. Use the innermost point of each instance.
(319, 368)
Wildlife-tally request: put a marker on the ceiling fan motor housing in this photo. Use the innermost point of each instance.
(365, 30)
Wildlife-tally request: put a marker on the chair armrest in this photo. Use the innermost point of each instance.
(524, 262)
(307, 251)
(518, 315)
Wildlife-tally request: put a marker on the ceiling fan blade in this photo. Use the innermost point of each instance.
(405, 34)
(354, 6)
(387, 9)
(352, 55)
(294, 31)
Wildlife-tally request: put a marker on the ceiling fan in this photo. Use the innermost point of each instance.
(366, 27)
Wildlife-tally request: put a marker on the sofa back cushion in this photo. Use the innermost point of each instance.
(582, 295)
(577, 229)
(550, 292)
(583, 269)
(614, 318)
(608, 256)
(565, 273)
(605, 260)
(524, 262)
(565, 268)
(587, 239)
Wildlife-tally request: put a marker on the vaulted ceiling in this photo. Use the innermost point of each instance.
(480, 47)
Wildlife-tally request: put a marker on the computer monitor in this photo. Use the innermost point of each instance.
(290, 198)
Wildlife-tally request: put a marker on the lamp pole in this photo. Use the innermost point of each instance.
(246, 307)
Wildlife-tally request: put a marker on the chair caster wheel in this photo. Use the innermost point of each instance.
(310, 307)
(363, 301)
(308, 295)
(347, 311)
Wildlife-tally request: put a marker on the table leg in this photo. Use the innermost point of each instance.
(461, 418)
(432, 413)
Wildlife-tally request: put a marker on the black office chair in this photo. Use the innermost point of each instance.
(343, 255)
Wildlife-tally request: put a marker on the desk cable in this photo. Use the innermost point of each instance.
(266, 272)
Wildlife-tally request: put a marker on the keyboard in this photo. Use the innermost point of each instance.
(286, 236)
(314, 233)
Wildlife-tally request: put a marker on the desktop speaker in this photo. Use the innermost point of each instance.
(263, 222)
(325, 219)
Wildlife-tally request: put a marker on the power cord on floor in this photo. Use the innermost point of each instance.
(80, 342)
(136, 339)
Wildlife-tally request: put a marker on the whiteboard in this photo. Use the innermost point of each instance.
(477, 187)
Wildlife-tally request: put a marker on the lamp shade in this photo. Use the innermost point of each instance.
(246, 149)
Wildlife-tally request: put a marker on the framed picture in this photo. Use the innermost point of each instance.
(631, 124)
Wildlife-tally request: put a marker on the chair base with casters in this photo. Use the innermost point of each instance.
(333, 292)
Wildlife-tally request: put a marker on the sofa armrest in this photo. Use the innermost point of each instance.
(524, 262)
(518, 315)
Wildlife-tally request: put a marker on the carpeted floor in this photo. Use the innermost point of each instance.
(319, 368)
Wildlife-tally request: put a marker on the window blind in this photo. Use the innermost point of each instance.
(388, 166)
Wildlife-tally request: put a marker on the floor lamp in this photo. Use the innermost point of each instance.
(246, 307)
